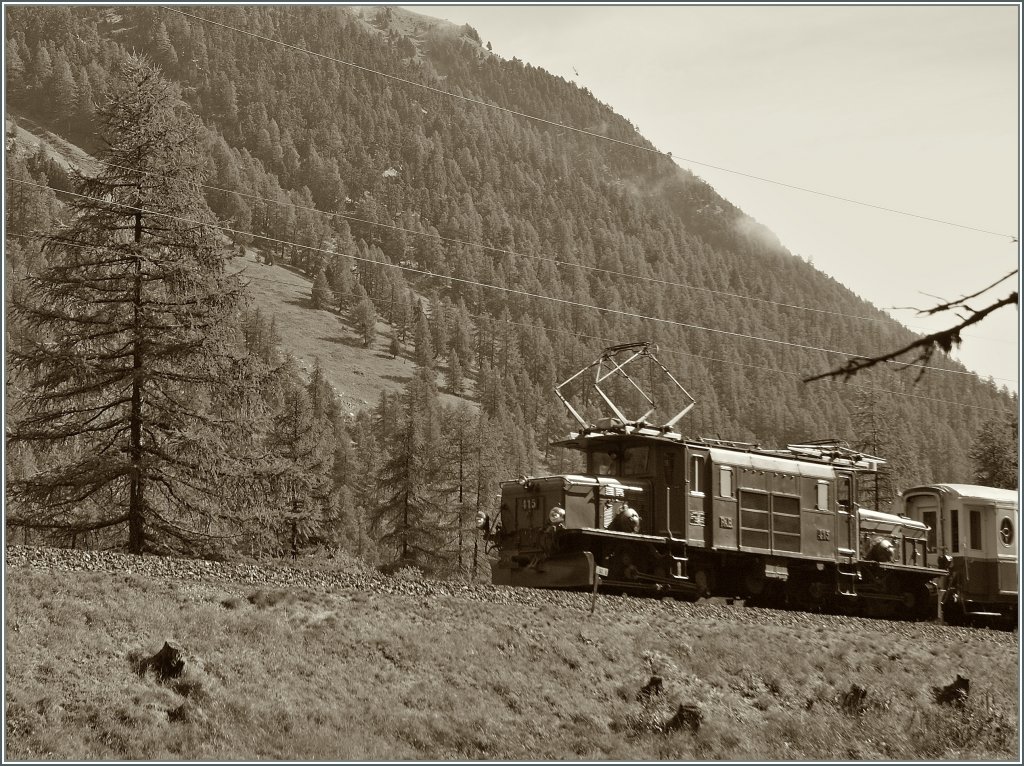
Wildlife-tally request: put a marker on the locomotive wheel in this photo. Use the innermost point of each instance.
(917, 603)
(772, 596)
(703, 582)
(953, 609)
(753, 582)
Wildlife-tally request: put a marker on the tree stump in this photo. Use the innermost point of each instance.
(652, 689)
(854, 701)
(955, 693)
(187, 712)
(686, 717)
(168, 663)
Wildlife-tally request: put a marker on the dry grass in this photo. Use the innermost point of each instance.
(281, 674)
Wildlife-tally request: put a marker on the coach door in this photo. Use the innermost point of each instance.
(1006, 548)
(977, 543)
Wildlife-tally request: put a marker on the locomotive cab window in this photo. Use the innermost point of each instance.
(725, 486)
(604, 463)
(634, 461)
(697, 475)
(843, 493)
(631, 461)
(821, 501)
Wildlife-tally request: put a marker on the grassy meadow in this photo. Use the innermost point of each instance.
(369, 675)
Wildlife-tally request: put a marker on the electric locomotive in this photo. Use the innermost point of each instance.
(975, 529)
(658, 512)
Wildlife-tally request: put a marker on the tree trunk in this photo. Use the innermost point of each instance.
(136, 500)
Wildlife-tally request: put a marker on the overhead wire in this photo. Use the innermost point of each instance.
(479, 245)
(509, 290)
(675, 352)
(661, 348)
(518, 254)
(589, 133)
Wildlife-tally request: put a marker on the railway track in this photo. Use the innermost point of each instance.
(242, 577)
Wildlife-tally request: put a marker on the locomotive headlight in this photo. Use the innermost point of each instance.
(482, 520)
(557, 516)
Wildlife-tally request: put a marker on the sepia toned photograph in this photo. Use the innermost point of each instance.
(511, 382)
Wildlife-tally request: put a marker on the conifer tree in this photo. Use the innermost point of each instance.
(365, 320)
(322, 295)
(472, 466)
(994, 454)
(29, 209)
(341, 281)
(65, 93)
(488, 462)
(454, 373)
(301, 439)
(421, 340)
(133, 345)
(402, 316)
(409, 519)
(85, 107)
(15, 68)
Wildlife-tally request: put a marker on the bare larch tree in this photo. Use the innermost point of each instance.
(128, 344)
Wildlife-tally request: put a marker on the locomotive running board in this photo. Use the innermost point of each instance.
(571, 570)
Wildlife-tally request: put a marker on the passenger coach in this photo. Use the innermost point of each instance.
(975, 528)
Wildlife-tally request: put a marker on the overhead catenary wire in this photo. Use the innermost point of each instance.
(675, 352)
(518, 254)
(592, 134)
(663, 349)
(509, 290)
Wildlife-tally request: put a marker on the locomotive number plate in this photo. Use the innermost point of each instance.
(529, 503)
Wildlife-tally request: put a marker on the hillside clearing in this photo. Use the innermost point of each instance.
(358, 374)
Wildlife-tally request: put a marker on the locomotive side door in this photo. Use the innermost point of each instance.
(672, 515)
(846, 514)
(698, 495)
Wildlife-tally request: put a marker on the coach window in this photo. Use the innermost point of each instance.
(1006, 531)
(822, 502)
(697, 475)
(725, 482)
(954, 530)
(975, 530)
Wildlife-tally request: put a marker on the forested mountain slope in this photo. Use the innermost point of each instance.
(505, 232)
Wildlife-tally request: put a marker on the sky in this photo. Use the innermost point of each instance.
(914, 108)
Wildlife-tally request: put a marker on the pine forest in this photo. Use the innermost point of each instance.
(152, 403)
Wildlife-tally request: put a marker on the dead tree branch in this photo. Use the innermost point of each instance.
(925, 346)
